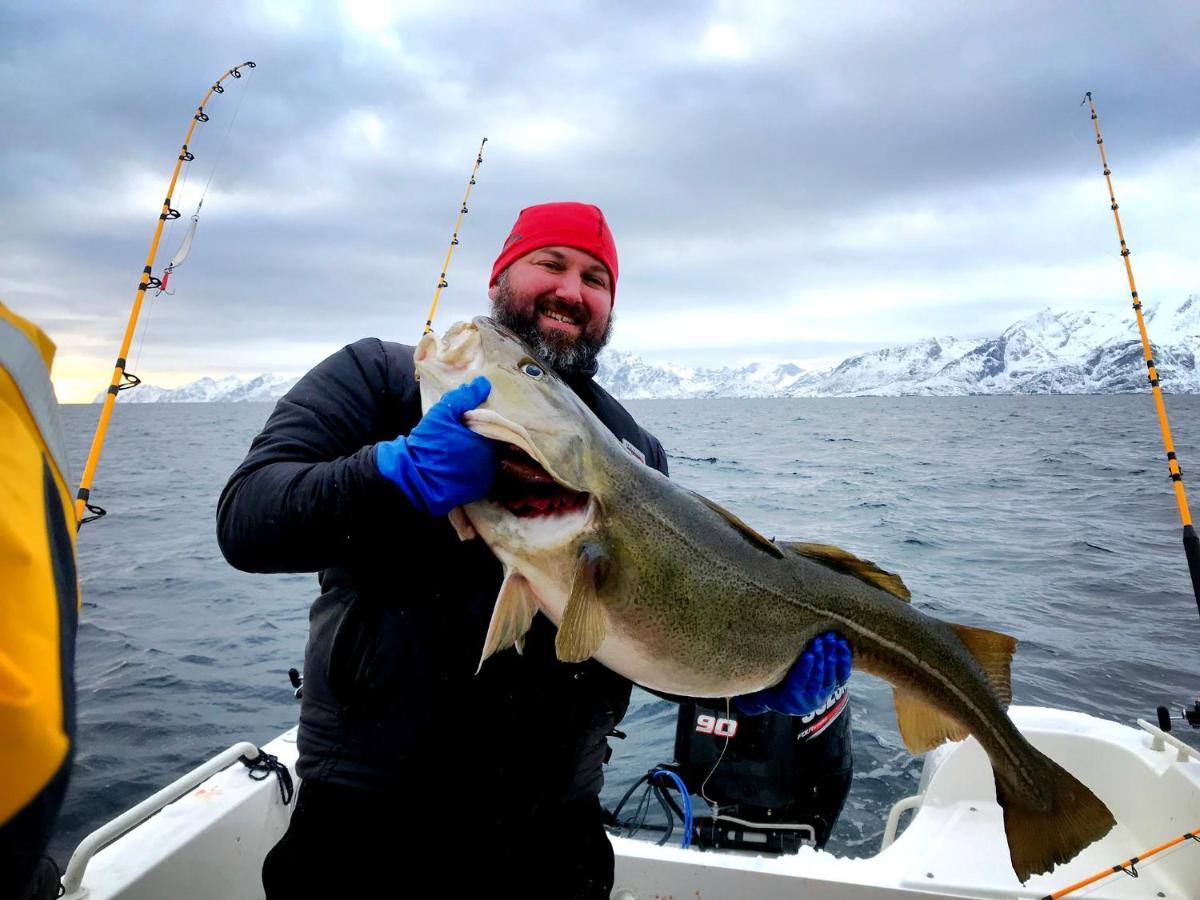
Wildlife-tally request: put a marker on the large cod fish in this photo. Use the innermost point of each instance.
(679, 595)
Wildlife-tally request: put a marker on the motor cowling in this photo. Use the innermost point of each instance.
(784, 778)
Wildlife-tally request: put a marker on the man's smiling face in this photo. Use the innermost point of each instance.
(558, 299)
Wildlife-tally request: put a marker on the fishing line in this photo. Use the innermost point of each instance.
(704, 784)
(185, 246)
(187, 171)
(225, 140)
(146, 329)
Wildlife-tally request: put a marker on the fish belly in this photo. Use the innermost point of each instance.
(645, 655)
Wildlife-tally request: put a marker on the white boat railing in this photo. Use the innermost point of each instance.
(110, 831)
(893, 819)
(1160, 738)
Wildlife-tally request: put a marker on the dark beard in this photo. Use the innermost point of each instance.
(565, 354)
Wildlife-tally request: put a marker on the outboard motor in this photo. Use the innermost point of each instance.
(777, 782)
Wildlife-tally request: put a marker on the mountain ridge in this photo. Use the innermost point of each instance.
(1071, 352)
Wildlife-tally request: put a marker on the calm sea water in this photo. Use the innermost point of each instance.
(1051, 518)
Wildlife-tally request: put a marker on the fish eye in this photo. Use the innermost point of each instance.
(532, 369)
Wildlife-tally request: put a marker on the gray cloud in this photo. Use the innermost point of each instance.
(779, 164)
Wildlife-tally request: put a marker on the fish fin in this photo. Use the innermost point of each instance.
(741, 527)
(1054, 825)
(511, 617)
(846, 562)
(462, 525)
(922, 726)
(993, 651)
(584, 624)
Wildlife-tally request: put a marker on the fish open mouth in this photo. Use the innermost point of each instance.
(524, 488)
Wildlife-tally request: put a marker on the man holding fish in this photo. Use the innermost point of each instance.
(409, 743)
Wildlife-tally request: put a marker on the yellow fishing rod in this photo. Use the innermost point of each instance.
(121, 378)
(442, 282)
(1129, 866)
(1191, 542)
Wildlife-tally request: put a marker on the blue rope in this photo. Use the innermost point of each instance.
(687, 804)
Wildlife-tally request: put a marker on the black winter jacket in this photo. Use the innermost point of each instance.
(391, 699)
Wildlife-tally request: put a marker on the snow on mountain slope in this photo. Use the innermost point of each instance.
(208, 390)
(1073, 352)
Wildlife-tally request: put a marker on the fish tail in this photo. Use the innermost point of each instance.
(1054, 825)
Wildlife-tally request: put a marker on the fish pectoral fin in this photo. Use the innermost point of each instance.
(762, 543)
(922, 726)
(846, 562)
(993, 651)
(462, 525)
(584, 623)
(511, 617)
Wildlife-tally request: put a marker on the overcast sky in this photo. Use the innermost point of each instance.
(785, 181)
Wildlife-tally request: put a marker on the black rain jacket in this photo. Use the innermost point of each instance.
(391, 698)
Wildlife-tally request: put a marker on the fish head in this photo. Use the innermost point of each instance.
(547, 486)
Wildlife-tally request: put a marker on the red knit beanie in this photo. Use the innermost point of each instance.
(578, 225)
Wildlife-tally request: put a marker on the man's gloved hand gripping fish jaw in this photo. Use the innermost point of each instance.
(442, 464)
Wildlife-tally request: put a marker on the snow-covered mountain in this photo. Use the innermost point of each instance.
(205, 390)
(1071, 352)
(629, 376)
(1076, 353)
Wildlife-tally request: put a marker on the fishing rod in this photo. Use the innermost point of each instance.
(294, 675)
(1191, 541)
(442, 282)
(122, 379)
(1128, 866)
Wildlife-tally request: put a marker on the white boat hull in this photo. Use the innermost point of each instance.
(211, 842)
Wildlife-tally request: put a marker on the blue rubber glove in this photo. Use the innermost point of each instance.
(442, 463)
(822, 668)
